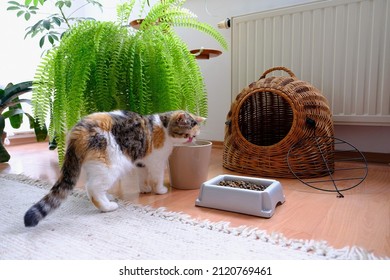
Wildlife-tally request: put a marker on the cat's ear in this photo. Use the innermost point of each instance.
(199, 119)
(182, 119)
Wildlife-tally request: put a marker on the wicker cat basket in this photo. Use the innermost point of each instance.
(271, 115)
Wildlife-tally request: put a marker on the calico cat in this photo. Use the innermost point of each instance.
(107, 145)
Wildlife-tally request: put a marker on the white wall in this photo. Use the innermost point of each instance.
(18, 57)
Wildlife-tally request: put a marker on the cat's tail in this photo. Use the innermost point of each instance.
(70, 173)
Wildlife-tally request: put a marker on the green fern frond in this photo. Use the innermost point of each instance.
(172, 13)
(42, 88)
(155, 13)
(203, 27)
(123, 11)
(165, 87)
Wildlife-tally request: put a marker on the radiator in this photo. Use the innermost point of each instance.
(342, 47)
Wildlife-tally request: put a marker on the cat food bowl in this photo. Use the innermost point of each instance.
(246, 195)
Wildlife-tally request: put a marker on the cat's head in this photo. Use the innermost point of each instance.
(183, 126)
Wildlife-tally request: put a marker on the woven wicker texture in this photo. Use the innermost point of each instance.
(271, 115)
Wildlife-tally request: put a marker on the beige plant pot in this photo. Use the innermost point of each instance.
(189, 165)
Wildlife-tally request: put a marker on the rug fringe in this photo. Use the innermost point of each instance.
(320, 248)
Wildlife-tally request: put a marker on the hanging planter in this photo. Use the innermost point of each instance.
(136, 23)
(205, 53)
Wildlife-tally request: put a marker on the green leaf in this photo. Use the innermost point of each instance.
(11, 113)
(40, 132)
(27, 16)
(59, 4)
(57, 21)
(11, 90)
(28, 33)
(17, 119)
(51, 40)
(42, 42)
(46, 24)
(13, 8)
(20, 13)
(15, 116)
(36, 25)
(27, 2)
(54, 37)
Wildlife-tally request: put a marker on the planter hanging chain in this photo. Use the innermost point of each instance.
(351, 176)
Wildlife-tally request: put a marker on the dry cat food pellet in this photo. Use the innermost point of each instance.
(242, 185)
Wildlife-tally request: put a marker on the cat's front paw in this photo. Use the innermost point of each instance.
(161, 190)
(145, 189)
(108, 207)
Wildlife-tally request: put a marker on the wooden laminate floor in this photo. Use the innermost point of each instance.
(361, 218)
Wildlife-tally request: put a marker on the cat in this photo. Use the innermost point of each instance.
(109, 144)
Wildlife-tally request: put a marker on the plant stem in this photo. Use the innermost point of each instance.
(64, 17)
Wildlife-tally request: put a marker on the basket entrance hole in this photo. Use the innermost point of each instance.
(265, 118)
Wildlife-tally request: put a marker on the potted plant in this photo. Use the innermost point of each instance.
(11, 108)
(101, 66)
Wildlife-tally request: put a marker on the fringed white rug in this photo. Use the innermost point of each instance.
(78, 231)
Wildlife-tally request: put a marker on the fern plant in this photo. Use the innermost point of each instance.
(102, 66)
